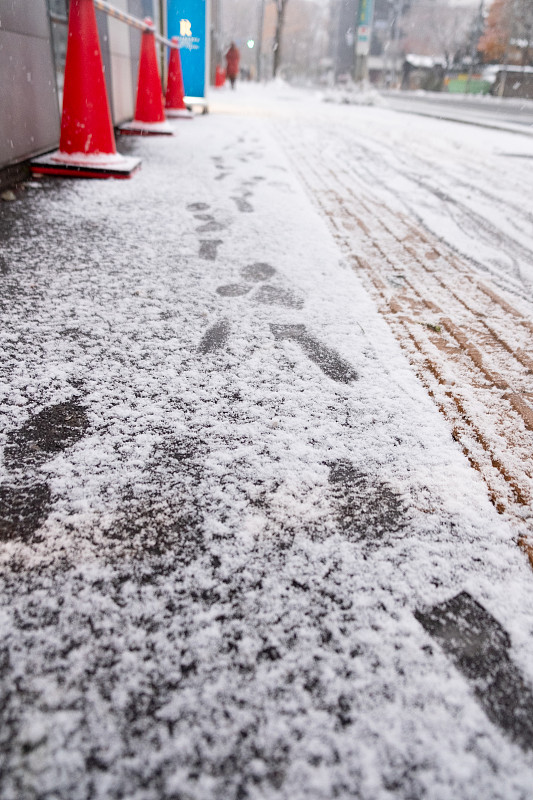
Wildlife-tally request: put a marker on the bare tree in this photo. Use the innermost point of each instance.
(437, 28)
(281, 6)
(305, 39)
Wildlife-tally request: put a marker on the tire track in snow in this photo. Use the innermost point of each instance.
(469, 346)
(355, 163)
(521, 215)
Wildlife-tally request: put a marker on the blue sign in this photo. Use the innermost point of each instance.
(186, 19)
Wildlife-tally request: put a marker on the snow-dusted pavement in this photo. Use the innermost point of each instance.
(242, 554)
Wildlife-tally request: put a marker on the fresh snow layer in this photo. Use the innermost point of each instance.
(259, 501)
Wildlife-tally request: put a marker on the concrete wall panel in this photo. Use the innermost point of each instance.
(103, 35)
(119, 32)
(29, 119)
(123, 89)
(28, 17)
(123, 86)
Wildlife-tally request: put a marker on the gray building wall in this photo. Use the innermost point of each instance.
(29, 110)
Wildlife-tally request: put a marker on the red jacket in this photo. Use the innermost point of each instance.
(232, 60)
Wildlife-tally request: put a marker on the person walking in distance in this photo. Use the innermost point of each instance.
(232, 63)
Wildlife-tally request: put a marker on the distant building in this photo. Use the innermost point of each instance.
(423, 72)
(510, 80)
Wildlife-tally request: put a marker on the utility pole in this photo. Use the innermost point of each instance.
(397, 16)
(475, 39)
(362, 40)
(501, 87)
(259, 56)
(281, 6)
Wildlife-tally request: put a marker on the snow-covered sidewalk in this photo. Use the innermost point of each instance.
(242, 556)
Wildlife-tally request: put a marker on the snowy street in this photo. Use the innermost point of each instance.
(511, 114)
(266, 487)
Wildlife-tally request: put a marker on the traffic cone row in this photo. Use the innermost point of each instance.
(87, 145)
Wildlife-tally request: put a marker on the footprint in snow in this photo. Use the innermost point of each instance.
(164, 515)
(368, 510)
(268, 295)
(217, 335)
(242, 203)
(23, 509)
(25, 506)
(209, 249)
(45, 434)
(478, 646)
(198, 207)
(210, 224)
(327, 359)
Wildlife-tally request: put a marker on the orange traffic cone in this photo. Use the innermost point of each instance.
(220, 76)
(149, 117)
(174, 102)
(87, 144)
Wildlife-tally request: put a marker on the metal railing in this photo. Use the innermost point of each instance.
(135, 22)
(116, 13)
(58, 18)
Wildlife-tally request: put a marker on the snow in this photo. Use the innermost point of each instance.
(353, 94)
(220, 600)
(490, 72)
(427, 62)
(88, 159)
